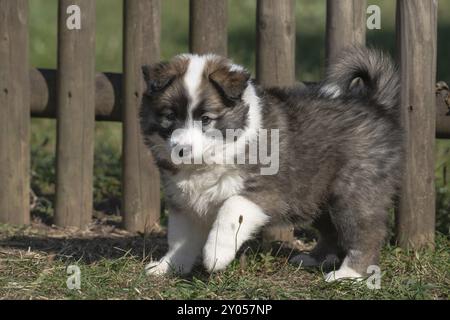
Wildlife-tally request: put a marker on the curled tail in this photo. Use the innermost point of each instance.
(366, 73)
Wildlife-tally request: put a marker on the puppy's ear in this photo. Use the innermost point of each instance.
(230, 83)
(157, 77)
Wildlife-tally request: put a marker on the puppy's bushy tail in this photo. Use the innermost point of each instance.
(365, 73)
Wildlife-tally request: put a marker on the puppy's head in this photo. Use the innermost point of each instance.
(191, 97)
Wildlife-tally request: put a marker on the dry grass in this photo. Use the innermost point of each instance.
(34, 260)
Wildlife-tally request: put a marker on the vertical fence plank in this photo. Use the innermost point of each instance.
(208, 26)
(417, 40)
(15, 112)
(346, 25)
(275, 62)
(140, 179)
(75, 116)
(275, 40)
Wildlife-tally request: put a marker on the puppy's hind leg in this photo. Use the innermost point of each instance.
(326, 252)
(186, 238)
(361, 223)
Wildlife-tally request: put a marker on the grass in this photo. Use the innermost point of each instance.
(33, 265)
(33, 260)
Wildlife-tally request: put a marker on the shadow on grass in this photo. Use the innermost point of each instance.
(90, 249)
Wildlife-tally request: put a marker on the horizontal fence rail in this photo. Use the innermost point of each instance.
(108, 92)
(108, 87)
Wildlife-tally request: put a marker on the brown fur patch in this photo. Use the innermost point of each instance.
(231, 83)
(159, 75)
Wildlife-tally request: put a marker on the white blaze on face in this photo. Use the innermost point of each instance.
(254, 111)
(211, 147)
(189, 138)
(192, 81)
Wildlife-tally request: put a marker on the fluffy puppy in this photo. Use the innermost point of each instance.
(335, 158)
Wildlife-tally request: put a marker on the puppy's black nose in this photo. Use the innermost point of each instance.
(185, 151)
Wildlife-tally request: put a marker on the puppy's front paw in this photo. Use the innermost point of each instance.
(157, 268)
(217, 258)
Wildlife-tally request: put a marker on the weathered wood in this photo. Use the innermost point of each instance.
(108, 91)
(275, 40)
(345, 25)
(417, 39)
(75, 116)
(275, 63)
(208, 26)
(15, 113)
(140, 180)
(108, 88)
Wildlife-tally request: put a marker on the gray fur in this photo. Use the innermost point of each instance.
(340, 155)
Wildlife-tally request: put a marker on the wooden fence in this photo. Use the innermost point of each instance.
(77, 96)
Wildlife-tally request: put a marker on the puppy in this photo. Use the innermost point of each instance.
(335, 158)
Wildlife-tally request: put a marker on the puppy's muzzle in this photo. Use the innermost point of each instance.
(183, 151)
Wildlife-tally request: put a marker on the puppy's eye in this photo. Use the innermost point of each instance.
(206, 120)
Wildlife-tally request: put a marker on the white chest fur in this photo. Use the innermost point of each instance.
(202, 190)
